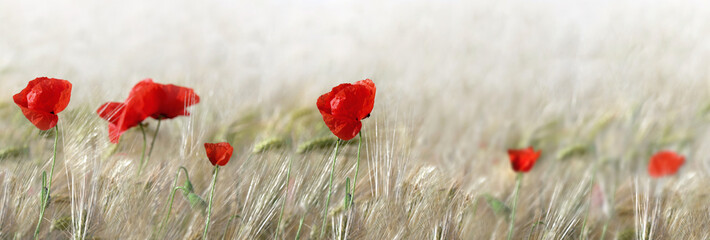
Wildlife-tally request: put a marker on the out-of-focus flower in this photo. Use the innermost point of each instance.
(665, 163)
(522, 160)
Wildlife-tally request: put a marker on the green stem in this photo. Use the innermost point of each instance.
(209, 205)
(518, 181)
(330, 189)
(145, 143)
(172, 197)
(283, 203)
(357, 168)
(45, 200)
(300, 224)
(533, 228)
(606, 224)
(152, 142)
(229, 222)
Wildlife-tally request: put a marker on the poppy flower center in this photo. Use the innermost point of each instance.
(52, 112)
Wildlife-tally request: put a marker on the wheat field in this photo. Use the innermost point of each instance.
(598, 86)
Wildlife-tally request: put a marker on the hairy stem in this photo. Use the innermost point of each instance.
(518, 181)
(300, 224)
(172, 197)
(209, 205)
(152, 142)
(45, 200)
(330, 189)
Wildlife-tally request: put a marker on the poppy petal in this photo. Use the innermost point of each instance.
(219, 153)
(343, 128)
(345, 105)
(42, 120)
(665, 163)
(114, 133)
(47, 94)
(42, 99)
(324, 101)
(174, 101)
(111, 111)
(368, 98)
(352, 102)
(143, 100)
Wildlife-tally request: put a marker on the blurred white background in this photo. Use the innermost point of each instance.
(460, 60)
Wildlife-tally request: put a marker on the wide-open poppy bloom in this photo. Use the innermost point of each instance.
(146, 99)
(173, 100)
(219, 153)
(345, 105)
(665, 163)
(42, 99)
(522, 160)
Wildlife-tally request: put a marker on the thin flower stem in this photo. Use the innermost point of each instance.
(145, 143)
(357, 169)
(283, 203)
(152, 142)
(209, 205)
(172, 197)
(330, 189)
(170, 207)
(518, 181)
(300, 224)
(229, 222)
(45, 200)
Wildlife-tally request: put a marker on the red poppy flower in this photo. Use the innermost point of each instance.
(142, 102)
(146, 99)
(522, 160)
(219, 153)
(344, 106)
(42, 99)
(173, 100)
(665, 163)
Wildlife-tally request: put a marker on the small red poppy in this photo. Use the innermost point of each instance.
(42, 99)
(522, 160)
(146, 99)
(345, 106)
(665, 163)
(219, 153)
